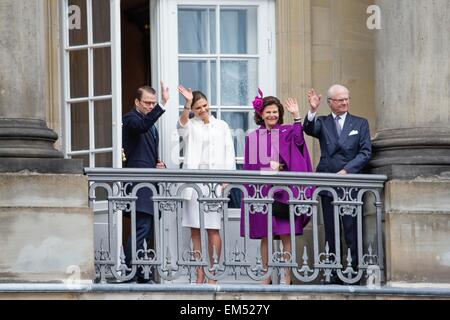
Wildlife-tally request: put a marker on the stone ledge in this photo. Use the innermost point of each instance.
(43, 190)
(41, 165)
(214, 292)
(427, 195)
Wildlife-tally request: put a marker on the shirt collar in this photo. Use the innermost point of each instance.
(343, 116)
(212, 119)
(137, 110)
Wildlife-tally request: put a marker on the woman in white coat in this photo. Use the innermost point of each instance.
(208, 144)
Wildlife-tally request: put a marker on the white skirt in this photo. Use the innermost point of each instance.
(191, 213)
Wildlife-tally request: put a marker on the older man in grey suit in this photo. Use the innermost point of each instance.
(345, 148)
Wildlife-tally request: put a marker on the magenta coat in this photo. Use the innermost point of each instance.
(284, 144)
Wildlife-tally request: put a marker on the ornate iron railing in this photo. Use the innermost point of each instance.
(171, 258)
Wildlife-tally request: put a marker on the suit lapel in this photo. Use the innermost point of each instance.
(153, 137)
(331, 133)
(348, 126)
(331, 129)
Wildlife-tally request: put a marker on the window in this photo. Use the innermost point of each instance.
(91, 98)
(224, 49)
(218, 55)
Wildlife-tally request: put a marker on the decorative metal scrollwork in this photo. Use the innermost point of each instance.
(122, 205)
(282, 256)
(347, 210)
(102, 254)
(303, 210)
(213, 207)
(168, 206)
(305, 270)
(258, 207)
(369, 258)
(173, 259)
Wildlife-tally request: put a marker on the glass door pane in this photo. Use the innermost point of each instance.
(228, 73)
(78, 14)
(239, 82)
(196, 31)
(92, 113)
(238, 31)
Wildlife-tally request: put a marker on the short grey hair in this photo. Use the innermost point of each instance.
(331, 92)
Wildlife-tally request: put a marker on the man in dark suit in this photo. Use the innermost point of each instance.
(345, 148)
(140, 143)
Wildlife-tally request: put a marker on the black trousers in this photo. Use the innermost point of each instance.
(144, 231)
(350, 228)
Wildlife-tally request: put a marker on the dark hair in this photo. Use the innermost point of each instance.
(197, 95)
(267, 101)
(141, 90)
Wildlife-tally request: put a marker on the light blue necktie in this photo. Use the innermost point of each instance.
(338, 126)
(153, 132)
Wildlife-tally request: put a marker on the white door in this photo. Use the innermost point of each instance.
(91, 86)
(224, 48)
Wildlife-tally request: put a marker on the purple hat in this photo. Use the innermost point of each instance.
(258, 104)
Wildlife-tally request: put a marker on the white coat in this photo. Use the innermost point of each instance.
(221, 147)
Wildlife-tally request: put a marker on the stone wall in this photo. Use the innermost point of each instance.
(46, 228)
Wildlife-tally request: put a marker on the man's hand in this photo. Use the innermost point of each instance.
(164, 94)
(342, 172)
(292, 106)
(314, 100)
(160, 165)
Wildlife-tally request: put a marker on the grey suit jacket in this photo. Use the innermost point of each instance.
(351, 151)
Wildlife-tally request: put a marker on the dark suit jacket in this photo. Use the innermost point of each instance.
(141, 147)
(351, 151)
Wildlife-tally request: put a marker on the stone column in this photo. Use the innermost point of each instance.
(412, 144)
(413, 89)
(46, 227)
(24, 136)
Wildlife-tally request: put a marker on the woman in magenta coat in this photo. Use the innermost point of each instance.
(274, 146)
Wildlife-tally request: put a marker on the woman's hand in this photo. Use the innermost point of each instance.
(186, 93)
(188, 96)
(292, 106)
(276, 166)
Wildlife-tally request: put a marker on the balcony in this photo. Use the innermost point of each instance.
(170, 257)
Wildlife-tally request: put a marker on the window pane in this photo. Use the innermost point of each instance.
(212, 30)
(103, 124)
(79, 122)
(78, 74)
(239, 82)
(194, 33)
(193, 74)
(77, 13)
(102, 71)
(101, 23)
(238, 33)
(239, 124)
(103, 160)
